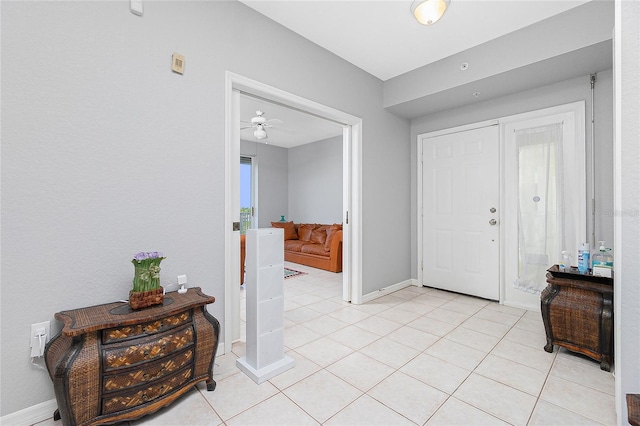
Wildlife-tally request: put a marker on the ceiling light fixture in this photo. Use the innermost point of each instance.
(260, 133)
(428, 12)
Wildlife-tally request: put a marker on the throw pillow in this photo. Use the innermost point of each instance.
(289, 229)
(319, 235)
(305, 230)
(331, 232)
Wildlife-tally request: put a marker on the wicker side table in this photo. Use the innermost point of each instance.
(111, 364)
(577, 311)
(633, 409)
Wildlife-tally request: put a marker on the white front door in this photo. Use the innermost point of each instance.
(461, 229)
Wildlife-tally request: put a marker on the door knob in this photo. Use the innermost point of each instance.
(493, 222)
(492, 209)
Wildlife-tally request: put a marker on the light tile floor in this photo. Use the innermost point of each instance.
(418, 356)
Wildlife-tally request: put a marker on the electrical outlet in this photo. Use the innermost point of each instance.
(40, 335)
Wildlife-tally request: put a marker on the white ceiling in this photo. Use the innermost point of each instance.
(382, 38)
(297, 128)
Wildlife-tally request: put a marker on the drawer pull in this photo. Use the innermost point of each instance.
(145, 353)
(146, 376)
(164, 346)
(144, 396)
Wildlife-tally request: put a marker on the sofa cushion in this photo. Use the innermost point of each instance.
(317, 249)
(319, 235)
(294, 245)
(289, 229)
(305, 230)
(331, 232)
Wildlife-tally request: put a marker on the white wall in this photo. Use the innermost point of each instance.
(315, 182)
(555, 94)
(627, 205)
(106, 152)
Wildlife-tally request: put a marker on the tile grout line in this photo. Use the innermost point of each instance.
(557, 353)
(439, 338)
(474, 371)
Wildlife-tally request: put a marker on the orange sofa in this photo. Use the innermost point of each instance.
(312, 244)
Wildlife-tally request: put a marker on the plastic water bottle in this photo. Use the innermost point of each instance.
(565, 263)
(603, 262)
(584, 255)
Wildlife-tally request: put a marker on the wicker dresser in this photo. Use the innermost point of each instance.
(111, 364)
(577, 311)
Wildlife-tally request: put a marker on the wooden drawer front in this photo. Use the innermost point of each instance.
(122, 356)
(149, 373)
(119, 334)
(146, 394)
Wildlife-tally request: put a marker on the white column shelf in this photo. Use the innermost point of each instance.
(265, 356)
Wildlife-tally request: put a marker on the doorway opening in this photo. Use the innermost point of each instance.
(351, 216)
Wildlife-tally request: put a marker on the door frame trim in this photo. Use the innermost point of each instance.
(352, 276)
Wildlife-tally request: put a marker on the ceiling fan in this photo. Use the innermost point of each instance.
(260, 124)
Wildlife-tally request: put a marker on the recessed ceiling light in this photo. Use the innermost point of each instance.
(464, 66)
(476, 94)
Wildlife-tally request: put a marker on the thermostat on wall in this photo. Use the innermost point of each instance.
(177, 63)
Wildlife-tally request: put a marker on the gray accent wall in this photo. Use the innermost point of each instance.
(107, 152)
(315, 182)
(577, 89)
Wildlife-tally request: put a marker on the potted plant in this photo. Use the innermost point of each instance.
(146, 290)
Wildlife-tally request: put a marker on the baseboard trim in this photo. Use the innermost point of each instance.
(30, 415)
(387, 290)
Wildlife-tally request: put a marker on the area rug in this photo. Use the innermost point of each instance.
(290, 273)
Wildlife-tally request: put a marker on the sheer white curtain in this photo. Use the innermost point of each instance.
(541, 209)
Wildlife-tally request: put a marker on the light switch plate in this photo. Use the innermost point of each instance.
(177, 63)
